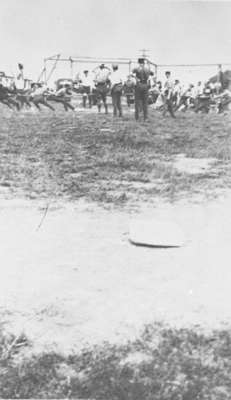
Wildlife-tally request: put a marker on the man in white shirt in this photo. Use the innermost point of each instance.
(87, 85)
(102, 74)
(38, 90)
(63, 95)
(177, 90)
(116, 90)
(152, 80)
(168, 93)
(38, 96)
(199, 89)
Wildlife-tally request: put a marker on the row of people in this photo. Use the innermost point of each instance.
(37, 94)
(144, 87)
(200, 97)
(106, 79)
(141, 85)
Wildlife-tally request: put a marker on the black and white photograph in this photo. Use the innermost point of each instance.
(115, 199)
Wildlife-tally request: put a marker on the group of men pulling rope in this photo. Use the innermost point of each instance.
(141, 87)
(38, 94)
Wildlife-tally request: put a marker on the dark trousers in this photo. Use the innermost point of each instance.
(141, 100)
(41, 99)
(130, 99)
(183, 102)
(66, 101)
(169, 107)
(101, 94)
(87, 96)
(116, 102)
(203, 104)
(223, 104)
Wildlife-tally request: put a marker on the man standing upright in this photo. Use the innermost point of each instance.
(177, 91)
(129, 89)
(168, 93)
(142, 73)
(102, 74)
(116, 90)
(87, 84)
(220, 77)
(19, 82)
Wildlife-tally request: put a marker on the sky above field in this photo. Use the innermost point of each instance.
(172, 31)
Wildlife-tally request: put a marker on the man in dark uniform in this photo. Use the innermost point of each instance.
(142, 73)
(129, 89)
(116, 90)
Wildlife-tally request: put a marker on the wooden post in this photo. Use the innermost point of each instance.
(71, 67)
(156, 70)
(218, 72)
(45, 71)
(129, 67)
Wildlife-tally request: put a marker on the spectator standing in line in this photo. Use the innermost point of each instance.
(142, 73)
(116, 90)
(168, 93)
(87, 84)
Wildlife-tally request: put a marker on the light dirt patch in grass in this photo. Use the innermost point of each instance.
(193, 165)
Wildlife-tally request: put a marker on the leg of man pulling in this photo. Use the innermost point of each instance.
(137, 102)
(90, 100)
(170, 108)
(145, 101)
(118, 103)
(114, 102)
(84, 100)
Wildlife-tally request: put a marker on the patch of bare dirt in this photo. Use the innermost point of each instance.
(191, 165)
(78, 280)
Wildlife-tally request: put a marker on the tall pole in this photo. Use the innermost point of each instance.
(220, 76)
(45, 71)
(144, 53)
(53, 67)
(71, 67)
(129, 67)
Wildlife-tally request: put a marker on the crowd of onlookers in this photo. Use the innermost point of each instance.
(201, 96)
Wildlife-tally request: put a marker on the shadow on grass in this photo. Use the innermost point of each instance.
(163, 364)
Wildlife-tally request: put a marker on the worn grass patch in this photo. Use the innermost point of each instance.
(163, 363)
(98, 158)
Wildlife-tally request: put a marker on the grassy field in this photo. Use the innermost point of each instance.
(163, 364)
(110, 160)
(118, 163)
